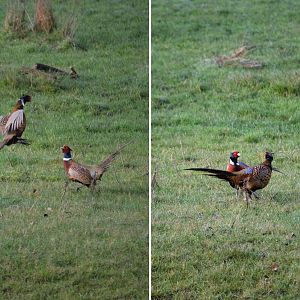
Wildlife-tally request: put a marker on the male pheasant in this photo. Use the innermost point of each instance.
(86, 175)
(13, 125)
(249, 179)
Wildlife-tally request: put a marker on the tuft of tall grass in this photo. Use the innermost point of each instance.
(15, 20)
(44, 18)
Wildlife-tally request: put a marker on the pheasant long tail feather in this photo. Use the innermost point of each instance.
(276, 170)
(108, 160)
(212, 171)
(224, 175)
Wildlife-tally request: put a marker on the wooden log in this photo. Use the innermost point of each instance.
(48, 72)
(49, 69)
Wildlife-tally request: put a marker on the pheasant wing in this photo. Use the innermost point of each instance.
(246, 171)
(79, 173)
(15, 121)
(243, 165)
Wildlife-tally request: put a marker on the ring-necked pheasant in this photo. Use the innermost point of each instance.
(87, 175)
(13, 125)
(249, 179)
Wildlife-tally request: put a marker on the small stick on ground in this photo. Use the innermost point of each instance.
(154, 180)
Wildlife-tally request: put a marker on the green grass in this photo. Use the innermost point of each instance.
(78, 246)
(200, 113)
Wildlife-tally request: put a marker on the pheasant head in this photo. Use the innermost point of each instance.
(234, 156)
(21, 102)
(66, 150)
(269, 156)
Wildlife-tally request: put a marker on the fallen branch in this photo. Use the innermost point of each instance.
(48, 72)
(50, 69)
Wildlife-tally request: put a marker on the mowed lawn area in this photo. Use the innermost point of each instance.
(205, 244)
(78, 245)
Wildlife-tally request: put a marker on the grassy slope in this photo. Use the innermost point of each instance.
(87, 248)
(202, 112)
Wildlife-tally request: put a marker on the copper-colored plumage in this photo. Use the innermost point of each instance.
(249, 179)
(234, 166)
(87, 175)
(13, 125)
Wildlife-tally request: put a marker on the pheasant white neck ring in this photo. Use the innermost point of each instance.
(233, 163)
(67, 158)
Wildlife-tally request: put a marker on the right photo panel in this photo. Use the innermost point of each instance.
(225, 149)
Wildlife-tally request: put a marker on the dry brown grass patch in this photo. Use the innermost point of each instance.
(237, 58)
(15, 17)
(44, 19)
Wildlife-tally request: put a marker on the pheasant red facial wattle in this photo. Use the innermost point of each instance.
(235, 154)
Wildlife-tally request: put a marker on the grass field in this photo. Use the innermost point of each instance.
(205, 244)
(77, 246)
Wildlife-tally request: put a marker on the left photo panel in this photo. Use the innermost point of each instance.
(74, 149)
